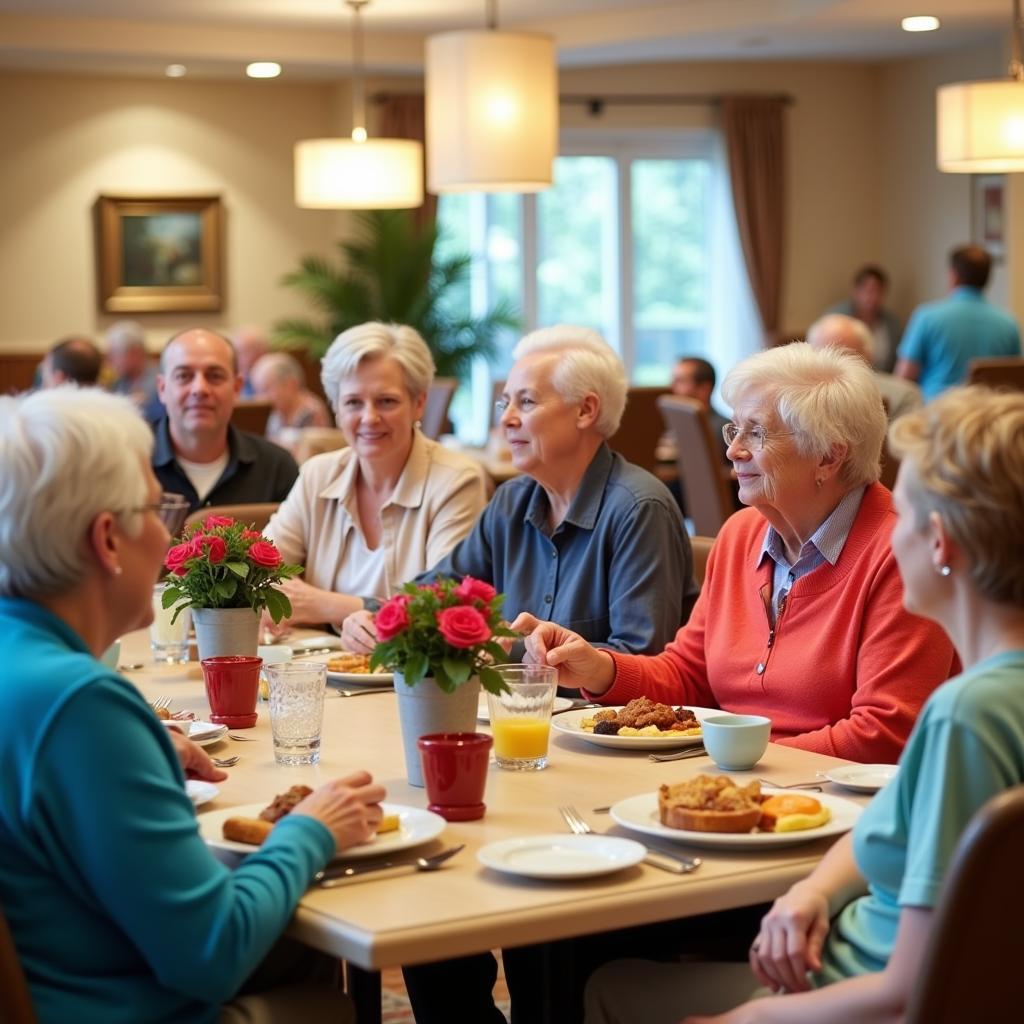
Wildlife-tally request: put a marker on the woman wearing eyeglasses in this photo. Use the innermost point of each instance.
(118, 909)
(800, 617)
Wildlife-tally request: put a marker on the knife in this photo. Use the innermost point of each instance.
(669, 862)
(331, 877)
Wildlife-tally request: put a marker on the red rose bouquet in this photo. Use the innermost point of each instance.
(221, 563)
(447, 630)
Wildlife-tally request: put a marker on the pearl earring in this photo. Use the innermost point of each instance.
(945, 571)
(118, 570)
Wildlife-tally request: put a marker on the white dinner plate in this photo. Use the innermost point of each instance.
(200, 792)
(862, 778)
(561, 856)
(569, 723)
(483, 713)
(416, 827)
(203, 733)
(640, 813)
(316, 643)
(362, 678)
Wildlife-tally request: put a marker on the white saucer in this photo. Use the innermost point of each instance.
(561, 856)
(862, 778)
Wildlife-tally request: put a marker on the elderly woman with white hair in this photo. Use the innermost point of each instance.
(98, 936)
(365, 519)
(801, 615)
(582, 536)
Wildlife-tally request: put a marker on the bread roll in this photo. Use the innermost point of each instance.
(253, 831)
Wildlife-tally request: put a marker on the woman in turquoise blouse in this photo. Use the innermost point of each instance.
(118, 910)
(846, 943)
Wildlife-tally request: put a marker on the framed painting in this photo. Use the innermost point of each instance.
(988, 213)
(159, 254)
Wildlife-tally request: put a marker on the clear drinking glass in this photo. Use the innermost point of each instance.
(297, 710)
(168, 642)
(521, 717)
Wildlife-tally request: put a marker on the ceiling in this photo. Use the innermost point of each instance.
(311, 38)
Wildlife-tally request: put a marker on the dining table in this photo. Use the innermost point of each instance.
(394, 918)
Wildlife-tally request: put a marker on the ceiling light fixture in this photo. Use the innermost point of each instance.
(358, 173)
(492, 110)
(981, 124)
(175, 71)
(920, 23)
(263, 69)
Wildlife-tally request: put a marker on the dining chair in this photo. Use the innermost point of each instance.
(1001, 372)
(435, 412)
(251, 415)
(890, 464)
(699, 458)
(971, 964)
(310, 441)
(256, 514)
(701, 547)
(640, 428)
(15, 1001)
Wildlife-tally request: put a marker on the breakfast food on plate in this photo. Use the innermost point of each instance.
(642, 717)
(254, 831)
(710, 803)
(163, 714)
(356, 664)
(792, 812)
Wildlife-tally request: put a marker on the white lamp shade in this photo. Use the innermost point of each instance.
(340, 174)
(492, 112)
(981, 127)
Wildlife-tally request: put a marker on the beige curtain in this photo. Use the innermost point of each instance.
(755, 144)
(403, 116)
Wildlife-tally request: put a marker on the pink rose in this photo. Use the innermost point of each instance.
(178, 555)
(393, 617)
(463, 626)
(211, 521)
(251, 535)
(265, 555)
(216, 549)
(470, 590)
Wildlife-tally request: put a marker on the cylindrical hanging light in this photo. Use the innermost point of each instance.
(980, 125)
(358, 173)
(492, 111)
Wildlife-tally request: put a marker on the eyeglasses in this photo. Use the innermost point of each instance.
(171, 508)
(751, 438)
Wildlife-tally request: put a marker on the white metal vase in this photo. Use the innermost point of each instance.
(425, 708)
(222, 631)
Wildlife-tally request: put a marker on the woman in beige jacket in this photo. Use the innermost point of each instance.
(365, 519)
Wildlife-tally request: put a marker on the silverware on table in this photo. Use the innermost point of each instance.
(575, 707)
(331, 877)
(135, 666)
(676, 863)
(160, 703)
(226, 762)
(241, 739)
(679, 755)
(813, 787)
(365, 689)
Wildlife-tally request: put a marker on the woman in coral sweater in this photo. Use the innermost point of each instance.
(801, 614)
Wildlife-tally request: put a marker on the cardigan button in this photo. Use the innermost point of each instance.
(760, 668)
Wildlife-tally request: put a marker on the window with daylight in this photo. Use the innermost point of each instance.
(636, 239)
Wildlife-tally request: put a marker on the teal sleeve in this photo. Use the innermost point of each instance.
(109, 808)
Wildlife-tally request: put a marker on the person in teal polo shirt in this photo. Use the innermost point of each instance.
(119, 912)
(847, 942)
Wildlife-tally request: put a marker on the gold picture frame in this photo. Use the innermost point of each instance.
(159, 254)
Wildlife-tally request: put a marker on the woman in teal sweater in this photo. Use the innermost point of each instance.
(846, 943)
(118, 910)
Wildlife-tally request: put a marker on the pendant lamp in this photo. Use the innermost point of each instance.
(492, 110)
(358, 173)
(981, 124)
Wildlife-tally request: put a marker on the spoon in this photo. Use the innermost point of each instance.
(331, 877)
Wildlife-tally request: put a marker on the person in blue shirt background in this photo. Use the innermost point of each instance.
(118, 910)
(847, 942)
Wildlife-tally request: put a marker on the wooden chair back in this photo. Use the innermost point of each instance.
(638, 433)
(257, 514)
(251, 415)
(699, 458)
(435, 412)
(701, 547)
(969, 971)
(15, 1001)
(1005, 372)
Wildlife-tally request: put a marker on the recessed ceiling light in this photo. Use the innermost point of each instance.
(176, 71)
(263, 69)
(920, 23)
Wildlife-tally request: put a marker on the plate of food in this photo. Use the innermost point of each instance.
(862, 778)
(642, 724)
(243, 829)
(346, 667)
(200, 792)
(713, 810)
(483, 713)
(203, 733)
(561, 856)
(319, 642)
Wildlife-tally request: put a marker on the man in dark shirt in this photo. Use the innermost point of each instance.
(198, 453)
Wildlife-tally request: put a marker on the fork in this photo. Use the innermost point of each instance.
(679, 755)
(226, 762)
(241, 739)
(675, 863)
(365, 689)
(813, 787)
(160, 703)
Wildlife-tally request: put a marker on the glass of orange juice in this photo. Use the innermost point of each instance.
(521, 716)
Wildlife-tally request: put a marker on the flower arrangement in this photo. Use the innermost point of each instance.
(222, 563)
(447, 630)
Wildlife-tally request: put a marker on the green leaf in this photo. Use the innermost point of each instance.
(416, 667)
(456, 670)
(240, 569)
(492, 681)
(170, 595)
(496, 651)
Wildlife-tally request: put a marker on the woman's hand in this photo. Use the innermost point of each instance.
(578, 664)
(791, 939)
(195, 762)
(349, 807)
(358, 632)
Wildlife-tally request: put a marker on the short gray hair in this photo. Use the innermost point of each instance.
(587, 363)
(280, 366)
(125, 334)
(843, 331)
(824, 396)
(375, 340)
(65, 455)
